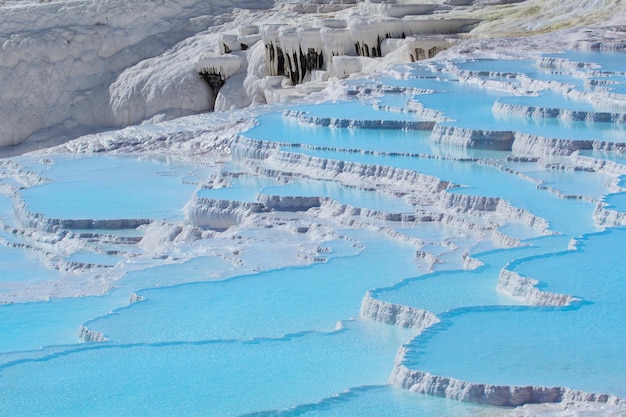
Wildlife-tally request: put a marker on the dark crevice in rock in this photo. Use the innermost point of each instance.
(215, 81)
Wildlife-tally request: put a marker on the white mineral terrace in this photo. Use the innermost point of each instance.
(280, 147)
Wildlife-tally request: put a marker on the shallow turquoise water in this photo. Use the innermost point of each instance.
(250, 189)
(579, 347)
(353, 110)
(30, 326)
(616, 201)
(13, 261)
(516, 68)
(236, 327)
(273, 127)
(610, 61)
(383, 401)
(373, 200)
(476, 179)
(455, 99)
(210, 376)
(552, 100)
(6, 210)
(441, 292)
(243, 188)
(279, 302)
(593, 185)
(106, 188)
(550, 348)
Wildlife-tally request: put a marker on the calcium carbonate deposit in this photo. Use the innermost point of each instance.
(300, 208)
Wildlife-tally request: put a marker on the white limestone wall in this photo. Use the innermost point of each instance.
(218, 214)
(398, 315)
(498, 395)
(58, 60)
(525, 290)
(472, 138)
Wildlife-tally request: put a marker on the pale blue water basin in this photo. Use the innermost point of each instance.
(554, 100)
(373, 200)
(440, 83)
(174, 353)
(6, 211)
(574, 183)
(528, 68)
(308, 298)
(202, 378)
(449, 290)
(443, 291)
(243, 188)
(568, 216)
(93, 258)
(432, 232)
(524, 346)
(594, 272)
(397, 101)
(616, 201)
(608, 155)
(502, 66)
(581, 347)
(454, 99)
(614, 83)
(353, 110)
(274, 127)
(550, 128)
(519, 231)
(13, 261)
(611, 61)
(100, 187)
(383, 401)
(29, 326)
(198, 269)
(248, 188)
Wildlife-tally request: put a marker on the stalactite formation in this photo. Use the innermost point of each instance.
(215, 80)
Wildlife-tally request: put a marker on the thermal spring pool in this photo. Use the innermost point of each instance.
(445, 240)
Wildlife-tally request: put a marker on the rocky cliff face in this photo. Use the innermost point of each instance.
(72, 67)
(59, 62)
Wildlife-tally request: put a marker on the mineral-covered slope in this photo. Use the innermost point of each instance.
(58, 60)
(71, 67)
(209, 56)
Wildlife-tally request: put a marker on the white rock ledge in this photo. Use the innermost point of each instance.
(517, 142)
(497, 395)
(470, 138)
(52, 225)
(135, 298)
(288, 203)
(608, 218)
(557, 113)
(396, 314)
(307, 119)
(525, 290)
(535, 144)
(464, 203)
(353, 173)
(219, 214)
(427, 192)
(88, 335)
